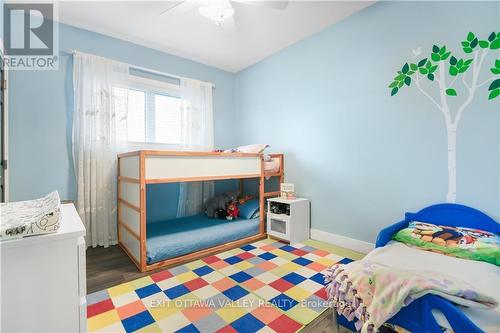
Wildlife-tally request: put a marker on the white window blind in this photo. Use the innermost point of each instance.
(167, 119)
(148, 111)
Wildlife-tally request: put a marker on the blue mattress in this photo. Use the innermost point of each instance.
(173, 238)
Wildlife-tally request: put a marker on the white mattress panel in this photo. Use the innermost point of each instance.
(130, 192)
(132, 244)
(130, 217)
(161, 167)
(129, 166)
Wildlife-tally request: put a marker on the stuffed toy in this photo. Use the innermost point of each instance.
(220, 202)
(232, 211)
(221, 214)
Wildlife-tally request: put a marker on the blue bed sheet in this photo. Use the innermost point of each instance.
(173, 238)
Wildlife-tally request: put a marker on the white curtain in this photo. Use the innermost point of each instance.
(94, 144)
(197, 133)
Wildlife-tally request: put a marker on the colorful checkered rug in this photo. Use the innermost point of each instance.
(266, 286)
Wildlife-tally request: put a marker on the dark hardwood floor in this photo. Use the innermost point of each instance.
(108, 267)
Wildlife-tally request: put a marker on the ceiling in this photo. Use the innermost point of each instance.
(258, 31)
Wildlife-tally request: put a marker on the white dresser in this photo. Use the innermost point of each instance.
(43, 282)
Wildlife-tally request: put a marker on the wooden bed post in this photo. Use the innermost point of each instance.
(118, 206)
(262, 199)
(142, 179)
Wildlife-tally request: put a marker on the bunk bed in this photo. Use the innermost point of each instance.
(154, 245)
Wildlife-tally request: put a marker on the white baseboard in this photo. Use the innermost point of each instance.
(342, 241)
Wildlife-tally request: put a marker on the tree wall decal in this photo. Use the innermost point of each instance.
(444, 69)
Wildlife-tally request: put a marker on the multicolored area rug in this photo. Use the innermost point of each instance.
(266, 286)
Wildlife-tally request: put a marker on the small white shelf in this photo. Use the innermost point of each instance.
(293, 224)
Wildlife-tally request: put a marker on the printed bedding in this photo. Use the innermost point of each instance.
(32, 217)
(478, 289)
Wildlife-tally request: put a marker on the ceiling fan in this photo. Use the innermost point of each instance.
(220, 12)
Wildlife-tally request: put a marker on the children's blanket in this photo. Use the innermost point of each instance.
(372, 293)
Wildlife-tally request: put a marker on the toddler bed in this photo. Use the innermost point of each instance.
(174, 238)
(431, 313)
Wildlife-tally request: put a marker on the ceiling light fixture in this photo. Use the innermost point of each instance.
(216, 11)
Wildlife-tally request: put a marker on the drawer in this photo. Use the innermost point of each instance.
(278, 227)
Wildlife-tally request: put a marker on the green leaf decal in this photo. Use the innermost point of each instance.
(453, 71)
(469, 50)
(473, 44)
(407, 80)
(394, 91)
(433, 69)
(494, 85)
(400, 77)
(445, 56)
(465, 43)
(468, 62)
(413, 67)
(494, 93)
(422, 62)
(442, 50)
(435, 48)
(463, 69)
(495, 44)
(451, 92)
(495, 71)
(470, 36)
(428, 65)
(435, 57)
(393, 84)
(491, 37)
(453, 60)
(484, 44)
(405, 68)
(497, 63)
(400, 84)
(430, 77)
(423, 71)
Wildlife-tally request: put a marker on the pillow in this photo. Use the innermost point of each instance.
(248, 209)
(252, 149)
(465, 243)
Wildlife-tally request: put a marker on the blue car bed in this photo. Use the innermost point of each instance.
(440, 228)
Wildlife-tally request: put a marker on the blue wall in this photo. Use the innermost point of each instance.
(41, 107)
(363, 157)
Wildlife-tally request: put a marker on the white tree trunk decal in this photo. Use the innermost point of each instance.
(457, 67)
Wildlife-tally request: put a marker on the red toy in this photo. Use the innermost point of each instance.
(232, 211)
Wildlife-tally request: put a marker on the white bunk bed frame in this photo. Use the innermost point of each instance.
(139, 168)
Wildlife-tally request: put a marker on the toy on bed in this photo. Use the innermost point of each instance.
(220, 202)
(402, 285)
(232, 211)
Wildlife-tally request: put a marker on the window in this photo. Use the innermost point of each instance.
(149, 111)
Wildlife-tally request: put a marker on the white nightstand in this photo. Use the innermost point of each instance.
(288, 219)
